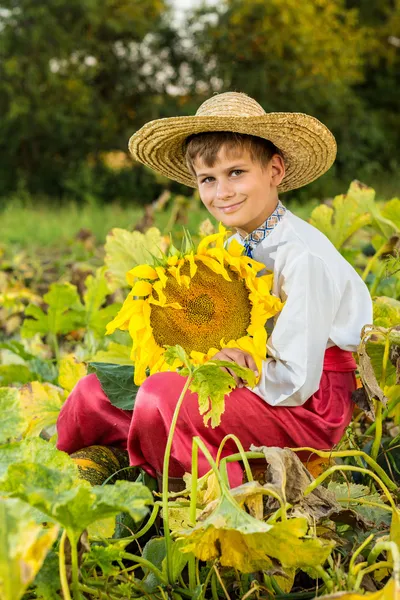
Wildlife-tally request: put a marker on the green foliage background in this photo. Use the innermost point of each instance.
(78, 77)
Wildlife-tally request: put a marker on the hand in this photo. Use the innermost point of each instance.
(243, 359)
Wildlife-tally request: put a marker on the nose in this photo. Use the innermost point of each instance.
(224, 190)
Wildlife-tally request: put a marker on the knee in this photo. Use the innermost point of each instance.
(159, 393)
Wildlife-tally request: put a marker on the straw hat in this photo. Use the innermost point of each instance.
(308, 147)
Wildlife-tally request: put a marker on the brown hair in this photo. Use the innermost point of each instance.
(207, 145)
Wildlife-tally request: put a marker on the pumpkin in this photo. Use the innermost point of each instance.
(98, 463)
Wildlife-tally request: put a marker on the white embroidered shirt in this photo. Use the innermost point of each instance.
(326, 304)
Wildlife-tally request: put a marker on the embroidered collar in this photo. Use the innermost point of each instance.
(258, 235)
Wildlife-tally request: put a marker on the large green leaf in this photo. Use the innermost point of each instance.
(386, 312)
(23, 547)
(75, 505)
(12, 423)
(350, 212)
(64, 313)
(38, 451)
(97, 290)
(117, 383)
(127, 249)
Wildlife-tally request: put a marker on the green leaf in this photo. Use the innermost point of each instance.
(350, 212)
(97, 290)
(174, 353)
(39, 451)
(74, 504)
(126, 249)
(64, 313)
(117, 383)
(47, 583)
(117, 354)
(23, 547)
(386, 311)
(212, 384)
(391, 211)
(352, 495)
(12, 424)
(155, 552)
(10, 374)
(105, 558)
(39, 368)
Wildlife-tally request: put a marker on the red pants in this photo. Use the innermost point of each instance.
(88, 418)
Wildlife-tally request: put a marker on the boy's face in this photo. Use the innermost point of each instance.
(238, 191)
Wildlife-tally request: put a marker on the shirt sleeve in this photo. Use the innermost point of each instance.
(296, 347)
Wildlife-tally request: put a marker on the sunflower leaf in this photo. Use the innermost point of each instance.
(174, 353)
(117, 383)
(212, 384)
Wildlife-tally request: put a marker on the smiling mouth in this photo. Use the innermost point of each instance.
(231, 208)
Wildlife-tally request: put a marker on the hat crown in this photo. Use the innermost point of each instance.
(230, 104)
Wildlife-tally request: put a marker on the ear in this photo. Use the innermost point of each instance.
(278, 169)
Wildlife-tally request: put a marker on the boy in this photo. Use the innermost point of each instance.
(239, 158)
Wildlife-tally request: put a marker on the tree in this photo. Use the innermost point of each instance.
(73, 83)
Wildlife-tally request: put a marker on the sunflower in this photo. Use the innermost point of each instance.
(203, 299)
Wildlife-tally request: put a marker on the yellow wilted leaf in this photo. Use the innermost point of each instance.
(127, 249)
(391, 591)
(238, 540)
(207, 487)
(70, 372)
(23, 549)
(40, 405)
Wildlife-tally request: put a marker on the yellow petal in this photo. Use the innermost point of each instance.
(235, 249)
(161, 275)
(193, 266)
(215, 266)
(142, 288)
(141, 272)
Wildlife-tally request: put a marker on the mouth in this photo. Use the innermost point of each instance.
(231, 208)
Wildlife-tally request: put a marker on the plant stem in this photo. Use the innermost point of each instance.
(390, 406)
(62, 567)
(347, 453)
(193, 504)
(242, 453)
(335, 468)
(146, 564)
(378, 405)
(373, 260)
(74, 565)
(167, 533)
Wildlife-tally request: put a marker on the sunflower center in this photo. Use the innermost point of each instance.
(200, 310)
(212, 309)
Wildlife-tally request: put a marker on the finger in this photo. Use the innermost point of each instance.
(251, 363)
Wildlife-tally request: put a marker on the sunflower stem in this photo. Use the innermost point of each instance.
(193, 503)
(165, 477)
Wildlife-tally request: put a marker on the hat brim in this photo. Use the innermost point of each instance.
(308, 147)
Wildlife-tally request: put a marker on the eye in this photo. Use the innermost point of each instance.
(207, 179)
(237, 172)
